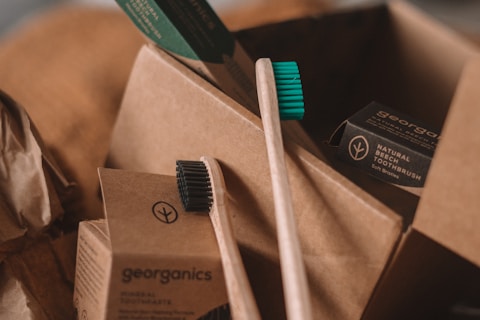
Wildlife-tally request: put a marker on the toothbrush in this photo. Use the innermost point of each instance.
(202, 189)
(280, 96)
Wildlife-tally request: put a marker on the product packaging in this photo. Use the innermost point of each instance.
(148, 259)
(389, 145)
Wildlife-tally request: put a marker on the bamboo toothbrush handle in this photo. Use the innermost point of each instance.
(242, 301)
(296, 292)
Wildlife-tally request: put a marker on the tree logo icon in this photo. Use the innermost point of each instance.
(165, 212)
(358, 148)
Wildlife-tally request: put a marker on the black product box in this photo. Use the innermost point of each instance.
(387, 144)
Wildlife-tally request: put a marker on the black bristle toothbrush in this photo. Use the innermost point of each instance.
(202, 189)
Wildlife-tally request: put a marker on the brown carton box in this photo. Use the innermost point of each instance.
(148, 259)
(359, 237)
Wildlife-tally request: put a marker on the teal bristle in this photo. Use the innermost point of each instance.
(289, 90)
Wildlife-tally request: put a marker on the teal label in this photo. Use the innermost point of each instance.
(189, 28)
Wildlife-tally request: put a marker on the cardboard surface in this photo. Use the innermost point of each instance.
(93, 263)
(433, 57)
(149, 258)
(448, 211)
(424, 281)
(188, 118)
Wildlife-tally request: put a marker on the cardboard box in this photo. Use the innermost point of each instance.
(363, 241)
(436, 267)
(388, 145)
(149, 259)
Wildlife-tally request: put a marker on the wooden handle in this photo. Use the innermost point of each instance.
(296, 291)
(242, 301)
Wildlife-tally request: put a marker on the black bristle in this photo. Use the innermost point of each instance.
(194, 185)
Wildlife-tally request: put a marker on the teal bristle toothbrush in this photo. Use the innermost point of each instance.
(280, 97)
(202, 189)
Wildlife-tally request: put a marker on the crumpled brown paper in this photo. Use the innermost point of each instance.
(29, 178)
(35, 283)
(15, 301)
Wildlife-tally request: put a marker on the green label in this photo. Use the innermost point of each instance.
(188, 28)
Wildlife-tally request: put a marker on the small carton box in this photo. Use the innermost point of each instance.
(370, 249)
(148, 259)
(388, 145)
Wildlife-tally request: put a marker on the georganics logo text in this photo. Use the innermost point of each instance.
(408, 124)
(164, 276)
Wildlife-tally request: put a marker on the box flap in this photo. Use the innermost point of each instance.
(412, 289)
(434, 56)
(448, 211)
(145, 216)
